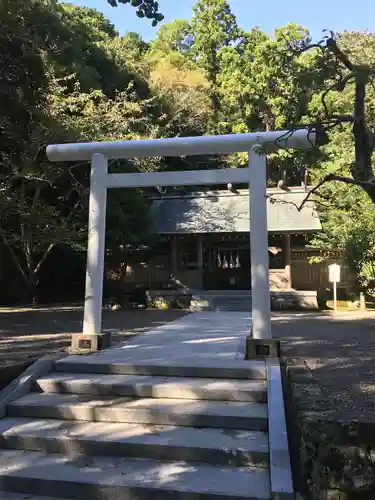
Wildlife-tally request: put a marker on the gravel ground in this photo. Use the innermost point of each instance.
(27, 334)
(333, 362)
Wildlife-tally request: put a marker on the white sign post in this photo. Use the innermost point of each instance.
(334, 271)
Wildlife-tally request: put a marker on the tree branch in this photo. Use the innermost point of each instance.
(337, 178)
(43, 259)
(331, 44)
(13, 255)
(338, 86)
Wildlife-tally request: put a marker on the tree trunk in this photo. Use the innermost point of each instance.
(30, 293)
(212, 76)
(362, 167)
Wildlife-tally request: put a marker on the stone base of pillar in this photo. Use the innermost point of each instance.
(85, 343)
(262, 348)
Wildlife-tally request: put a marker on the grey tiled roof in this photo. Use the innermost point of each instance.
(224, 211)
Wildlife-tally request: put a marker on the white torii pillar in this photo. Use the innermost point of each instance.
(260, 281)
(100, 152)
(92, 316)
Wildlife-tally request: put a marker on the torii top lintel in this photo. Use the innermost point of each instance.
(183, 146)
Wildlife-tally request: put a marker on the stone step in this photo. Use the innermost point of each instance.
(231, 415)
(113, 363)
(215, 446)
(224, 300)
(229, 294)
(230, 300)
(130, 479)
(233, 308)
(222, 308)
(155, 387)
(246, 299)
(231, 305)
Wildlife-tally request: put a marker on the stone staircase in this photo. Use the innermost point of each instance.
(148, 431)
(222, 300)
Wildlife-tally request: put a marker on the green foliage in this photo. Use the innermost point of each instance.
(173, 43)
(348, 219)
(360, 250)
(346, 211)
(23, 81)
(65, 67)
(67, 75)
(145, 8)
(213, 29)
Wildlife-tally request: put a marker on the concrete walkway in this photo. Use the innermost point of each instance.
(200, 335)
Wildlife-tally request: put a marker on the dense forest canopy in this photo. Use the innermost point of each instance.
(67, 75)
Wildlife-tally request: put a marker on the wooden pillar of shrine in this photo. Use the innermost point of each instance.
(174, 260)
(200, 258)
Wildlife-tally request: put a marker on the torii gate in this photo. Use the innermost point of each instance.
(254, 143)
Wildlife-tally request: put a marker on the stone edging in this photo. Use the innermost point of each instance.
(22, 385)
(294, 432)
(333, 459)
(281, 479)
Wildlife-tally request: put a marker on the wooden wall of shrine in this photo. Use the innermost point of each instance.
(211, 262)
(223, 262)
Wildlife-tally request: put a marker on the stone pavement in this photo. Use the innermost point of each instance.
(332, 354)
(200, 335)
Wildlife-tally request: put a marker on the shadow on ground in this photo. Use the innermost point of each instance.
(31, 333)
(332, 358)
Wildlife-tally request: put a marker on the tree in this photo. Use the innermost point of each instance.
(173, 42)
(343, 112)
(181, 85)
(38, 210)
(213, 27)
(347, 217)
(68, 76)
(262, 88)
(145, 8)
(61, 74)
(27, 218)
(346, 74)
(129, 54)
(23, 81)
(184, 96)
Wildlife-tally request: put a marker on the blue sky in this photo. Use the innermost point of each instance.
(315, 15)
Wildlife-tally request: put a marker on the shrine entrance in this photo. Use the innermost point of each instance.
(227, 266)
(255, 144)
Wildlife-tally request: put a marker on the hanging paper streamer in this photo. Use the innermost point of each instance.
(218, 260)
(225, 262)
(238, 261)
